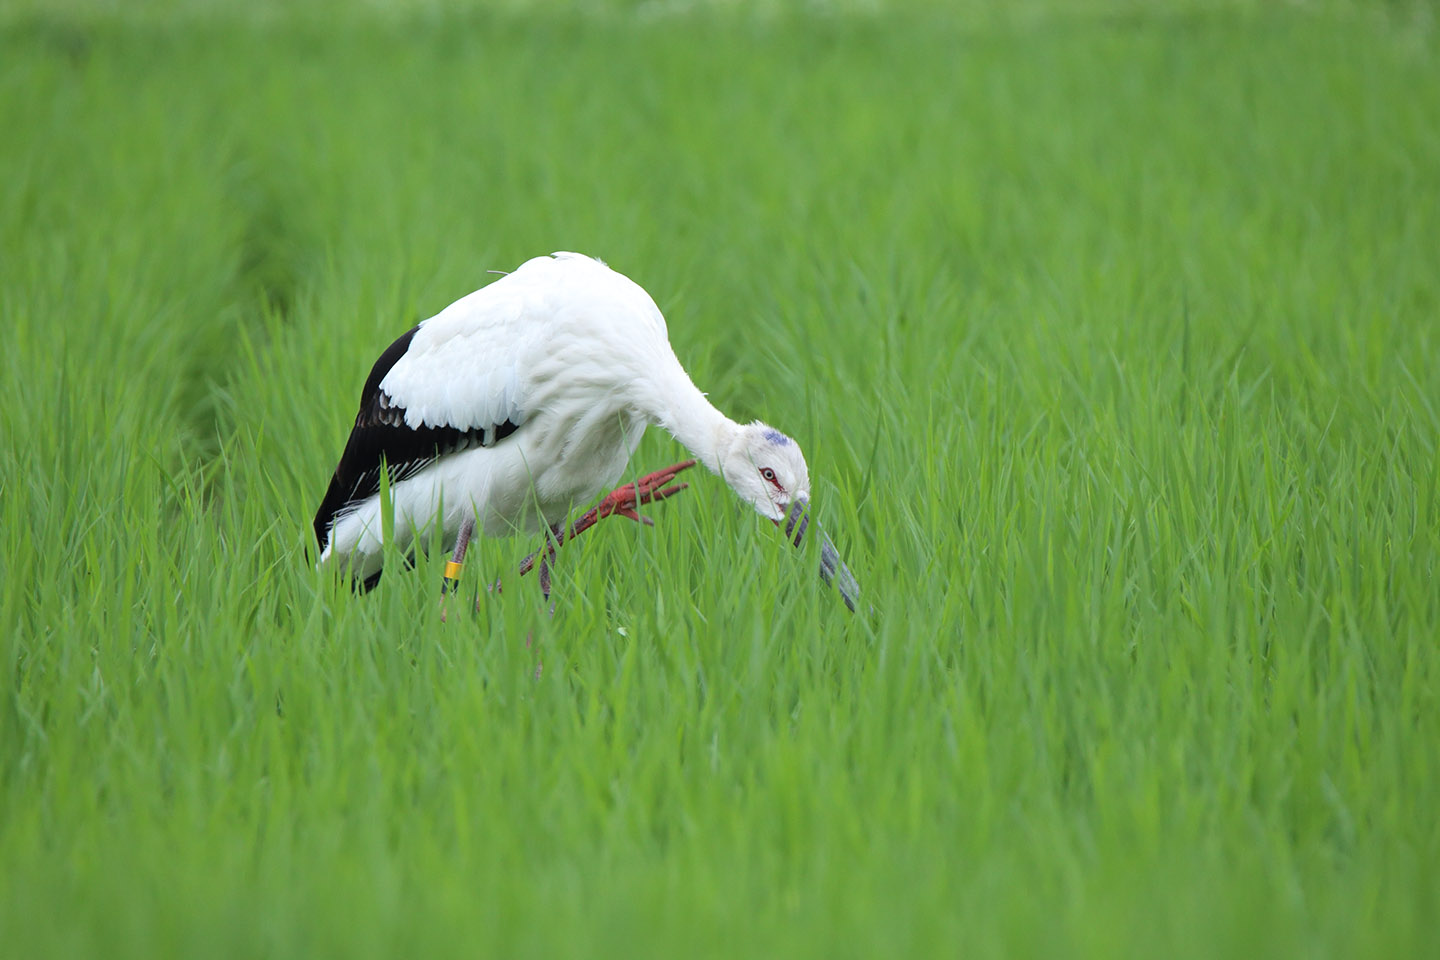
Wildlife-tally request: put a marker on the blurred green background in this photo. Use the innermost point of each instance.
(1109, 330)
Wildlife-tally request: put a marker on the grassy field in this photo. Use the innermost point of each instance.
(1111, 337)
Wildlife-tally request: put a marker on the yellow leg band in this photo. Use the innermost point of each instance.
(452, 570)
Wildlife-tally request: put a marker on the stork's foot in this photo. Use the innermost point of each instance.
(651, 488)
(621, 501)
(547, 560)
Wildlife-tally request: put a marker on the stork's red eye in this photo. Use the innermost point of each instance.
(769, 475)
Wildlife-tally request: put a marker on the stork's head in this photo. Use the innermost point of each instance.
(767, 469)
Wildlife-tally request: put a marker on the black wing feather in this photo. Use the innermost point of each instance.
(381, 439)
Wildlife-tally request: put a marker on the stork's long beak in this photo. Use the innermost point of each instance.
(798, 513)
(832, 568)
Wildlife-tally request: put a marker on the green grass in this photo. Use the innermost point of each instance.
(1110, 335)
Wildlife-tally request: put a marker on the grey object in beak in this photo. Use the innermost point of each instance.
(798, 512)
(832, 568)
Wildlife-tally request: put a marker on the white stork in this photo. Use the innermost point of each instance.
(529, 396)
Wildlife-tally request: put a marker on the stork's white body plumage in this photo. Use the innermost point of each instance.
(523, 399)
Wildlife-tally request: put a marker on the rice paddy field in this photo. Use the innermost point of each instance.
(1110, 333)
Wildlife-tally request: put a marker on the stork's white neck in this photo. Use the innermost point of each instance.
(693, 420)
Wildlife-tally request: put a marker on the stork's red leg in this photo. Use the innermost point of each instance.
(621, 501)
(452, 569)
(547, 558)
